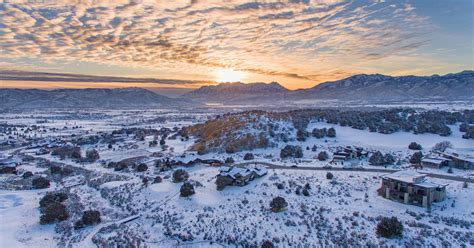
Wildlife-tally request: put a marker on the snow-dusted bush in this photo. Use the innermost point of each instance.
(222, 181)
(329, 176)
(414, 146)
(40, 183)
(141, 167)
(53, 212)
(389, 227)
(180, 175)
(92, 155)
(416, 158)
(278, 203)
(323, 156)
(249, 156)
(89, 217)
(187, 189)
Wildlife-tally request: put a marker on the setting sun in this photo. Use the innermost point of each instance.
(228, 75)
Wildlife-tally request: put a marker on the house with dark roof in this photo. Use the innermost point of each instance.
(241, 176)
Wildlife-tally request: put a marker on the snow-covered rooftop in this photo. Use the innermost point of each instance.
(408, 176)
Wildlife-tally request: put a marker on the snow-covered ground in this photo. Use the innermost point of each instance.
(342, 212)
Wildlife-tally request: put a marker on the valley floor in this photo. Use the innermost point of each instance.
(338, 212)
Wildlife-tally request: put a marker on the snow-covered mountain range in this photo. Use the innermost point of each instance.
(361, 87)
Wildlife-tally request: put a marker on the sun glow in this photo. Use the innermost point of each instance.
(228, 75)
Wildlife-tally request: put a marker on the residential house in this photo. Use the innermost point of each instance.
(241, 176)
(458, 161)
(411, 187)
(348, 153)
(435, 162)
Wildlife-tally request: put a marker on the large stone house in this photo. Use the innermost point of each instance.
(411, 187)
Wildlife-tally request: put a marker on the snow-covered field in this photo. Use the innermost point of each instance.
(338, 212)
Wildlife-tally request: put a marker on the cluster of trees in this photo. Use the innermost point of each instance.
(378, 158)
(385, 121)
(291, 151)
(52, 208)
(61, 170)
(320, 133)
(468, 131)
(73, 152)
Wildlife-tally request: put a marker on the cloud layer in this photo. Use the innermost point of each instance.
(296, 40)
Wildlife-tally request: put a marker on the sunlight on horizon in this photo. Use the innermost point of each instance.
(228, 75)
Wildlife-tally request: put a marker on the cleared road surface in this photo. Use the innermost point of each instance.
(380, 170)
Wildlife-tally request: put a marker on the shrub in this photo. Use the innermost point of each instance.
(187, 189)
(223, 181)
(142, 167)
(331, 132)
(267, 244)
(180, 175)
(92, 155)
(49, 198)
(301, 135)
(27, 174)
(280, 186)
(40, 183)
(229, 160)
(390, 227)
(278, 203)
(416, 158)
(329, 176)
(414, 146)
(158, 179)
(249, 156)
(323, 156)
(305, 192)
(389, 159)
(377, 158)
(89, 217)
(53, 212)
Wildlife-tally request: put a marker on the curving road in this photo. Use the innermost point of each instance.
(360, 169)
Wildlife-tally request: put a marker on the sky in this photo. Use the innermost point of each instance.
(296, 43)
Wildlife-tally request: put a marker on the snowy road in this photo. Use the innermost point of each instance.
(379, 170)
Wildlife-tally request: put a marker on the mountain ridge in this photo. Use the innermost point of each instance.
(83, 98)
(359, 87)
